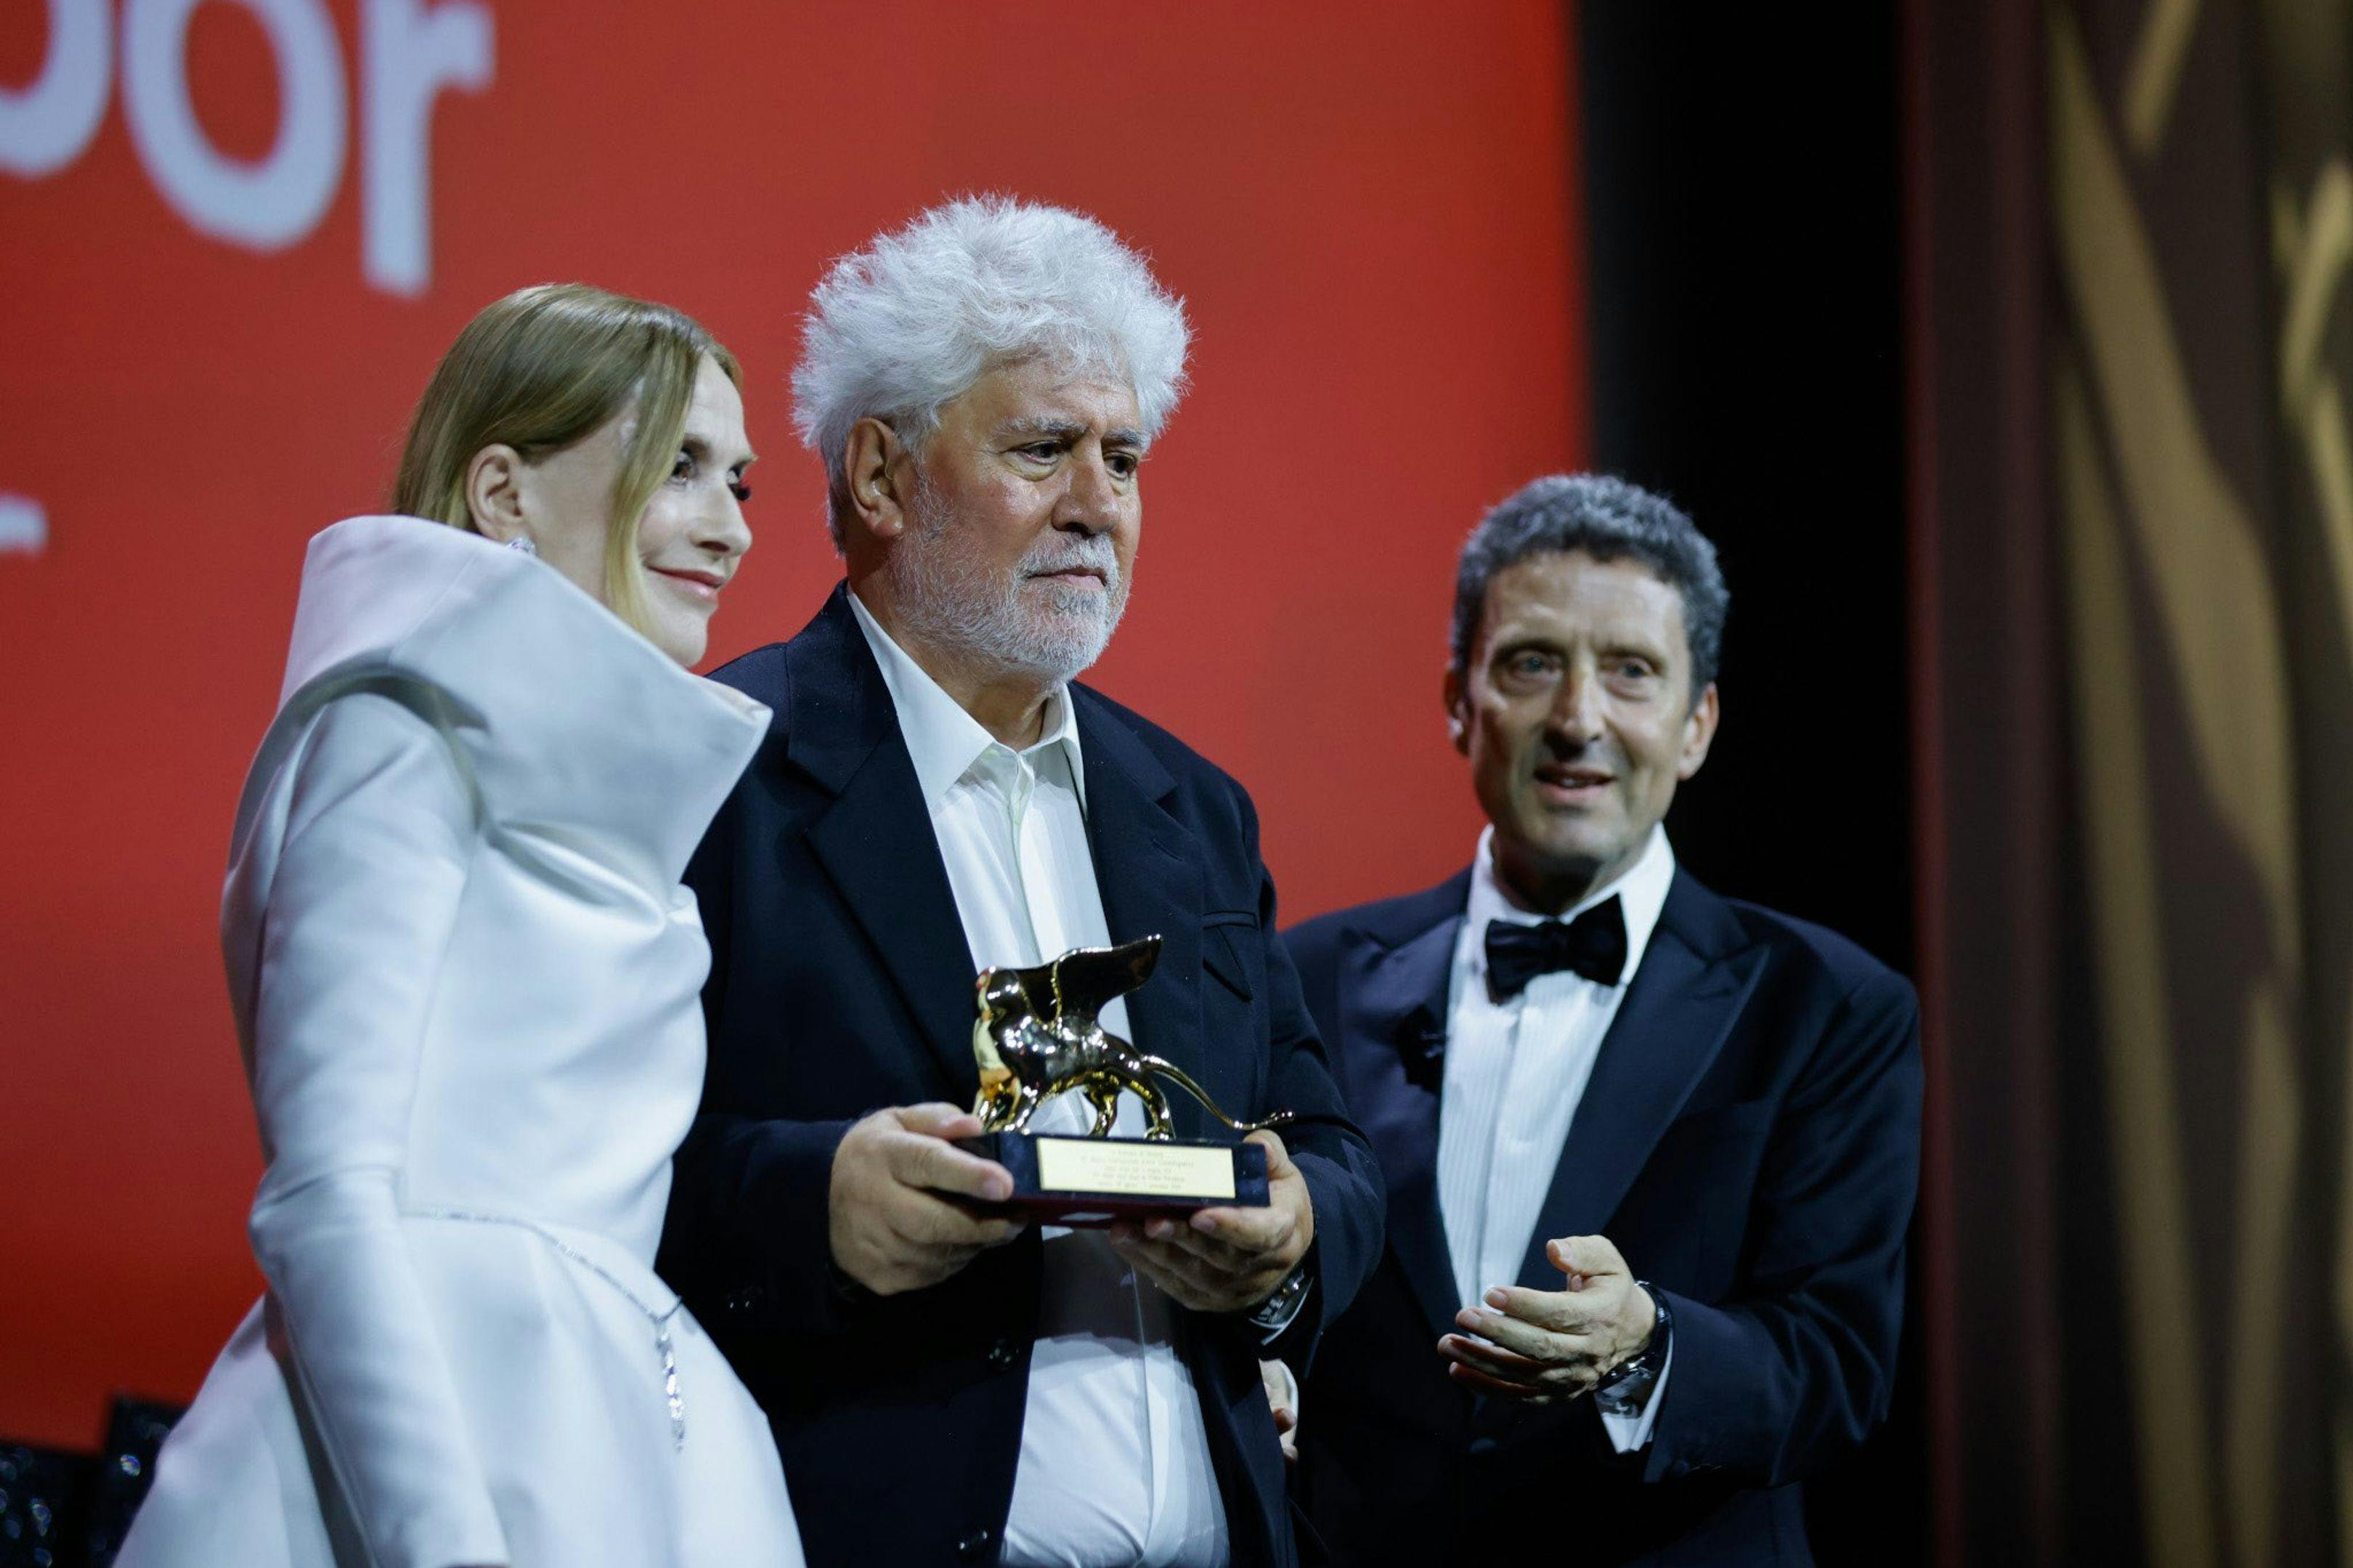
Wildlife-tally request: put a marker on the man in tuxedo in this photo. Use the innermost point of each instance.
(937, 796)
(1650, 1152)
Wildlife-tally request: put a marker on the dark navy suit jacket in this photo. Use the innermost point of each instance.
(841, 982)
(1750, 1140)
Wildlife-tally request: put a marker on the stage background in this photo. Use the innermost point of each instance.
(1743, 236)
(2130, 243)
(1372, 213)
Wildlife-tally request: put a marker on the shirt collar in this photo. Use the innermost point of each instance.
(1641, 892)
(943, 739)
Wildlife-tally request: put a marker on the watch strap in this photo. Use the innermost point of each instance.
(1627, 1386)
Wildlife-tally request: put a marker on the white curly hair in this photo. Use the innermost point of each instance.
(904, 327)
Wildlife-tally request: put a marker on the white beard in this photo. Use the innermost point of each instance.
(953, 600)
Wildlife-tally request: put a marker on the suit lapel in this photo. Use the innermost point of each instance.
(1695, 978)
(1146, 868)
(1393, 1022)
(875, 839)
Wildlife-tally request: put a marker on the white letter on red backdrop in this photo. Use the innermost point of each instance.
(44, 127)
(413, 51)
(24, 527)
(267, 205)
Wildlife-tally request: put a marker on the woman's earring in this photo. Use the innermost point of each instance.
(522, 541)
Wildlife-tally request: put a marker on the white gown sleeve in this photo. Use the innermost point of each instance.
(379, 831)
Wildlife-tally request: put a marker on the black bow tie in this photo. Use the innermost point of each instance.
(1593, 945)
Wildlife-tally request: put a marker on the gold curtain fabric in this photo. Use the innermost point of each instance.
(2200, 185)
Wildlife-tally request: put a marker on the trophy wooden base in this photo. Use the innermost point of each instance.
(1085, 1182)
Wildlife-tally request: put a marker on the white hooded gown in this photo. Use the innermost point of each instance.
(466, 981)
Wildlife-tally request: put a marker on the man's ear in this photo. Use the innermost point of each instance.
(881, 474)
(1699, 732)
(1458, 711)
(495, 499)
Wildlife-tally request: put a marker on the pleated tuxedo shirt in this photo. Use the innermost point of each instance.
(1515, 1071)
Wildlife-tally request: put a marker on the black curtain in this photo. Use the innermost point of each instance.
(1745, 251)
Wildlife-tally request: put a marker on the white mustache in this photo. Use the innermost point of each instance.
(1090, 555)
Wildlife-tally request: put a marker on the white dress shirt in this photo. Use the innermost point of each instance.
(1515, 1070)
(1114, 1464)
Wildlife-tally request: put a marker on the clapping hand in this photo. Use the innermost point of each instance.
(1539, 1346)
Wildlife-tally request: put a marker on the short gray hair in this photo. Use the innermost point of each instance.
(900, 330)
(1608, 520)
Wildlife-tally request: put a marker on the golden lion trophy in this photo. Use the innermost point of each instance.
(1040, 1035)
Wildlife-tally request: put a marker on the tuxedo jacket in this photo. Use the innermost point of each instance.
(841, 982)
(1750, 1140)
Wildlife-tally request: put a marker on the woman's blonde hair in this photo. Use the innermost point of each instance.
(540, 370)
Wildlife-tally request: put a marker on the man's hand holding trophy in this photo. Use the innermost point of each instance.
(1218, 1225)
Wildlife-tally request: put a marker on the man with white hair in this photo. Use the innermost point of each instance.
(937, 796)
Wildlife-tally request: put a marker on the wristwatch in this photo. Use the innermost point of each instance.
(1625, 1388)
(1273, 1315)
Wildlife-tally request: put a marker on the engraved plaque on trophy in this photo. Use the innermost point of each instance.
(1039, 1036)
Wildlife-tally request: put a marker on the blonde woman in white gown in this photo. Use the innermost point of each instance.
(466, 981)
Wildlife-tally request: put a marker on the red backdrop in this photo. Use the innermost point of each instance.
(1371, 213)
